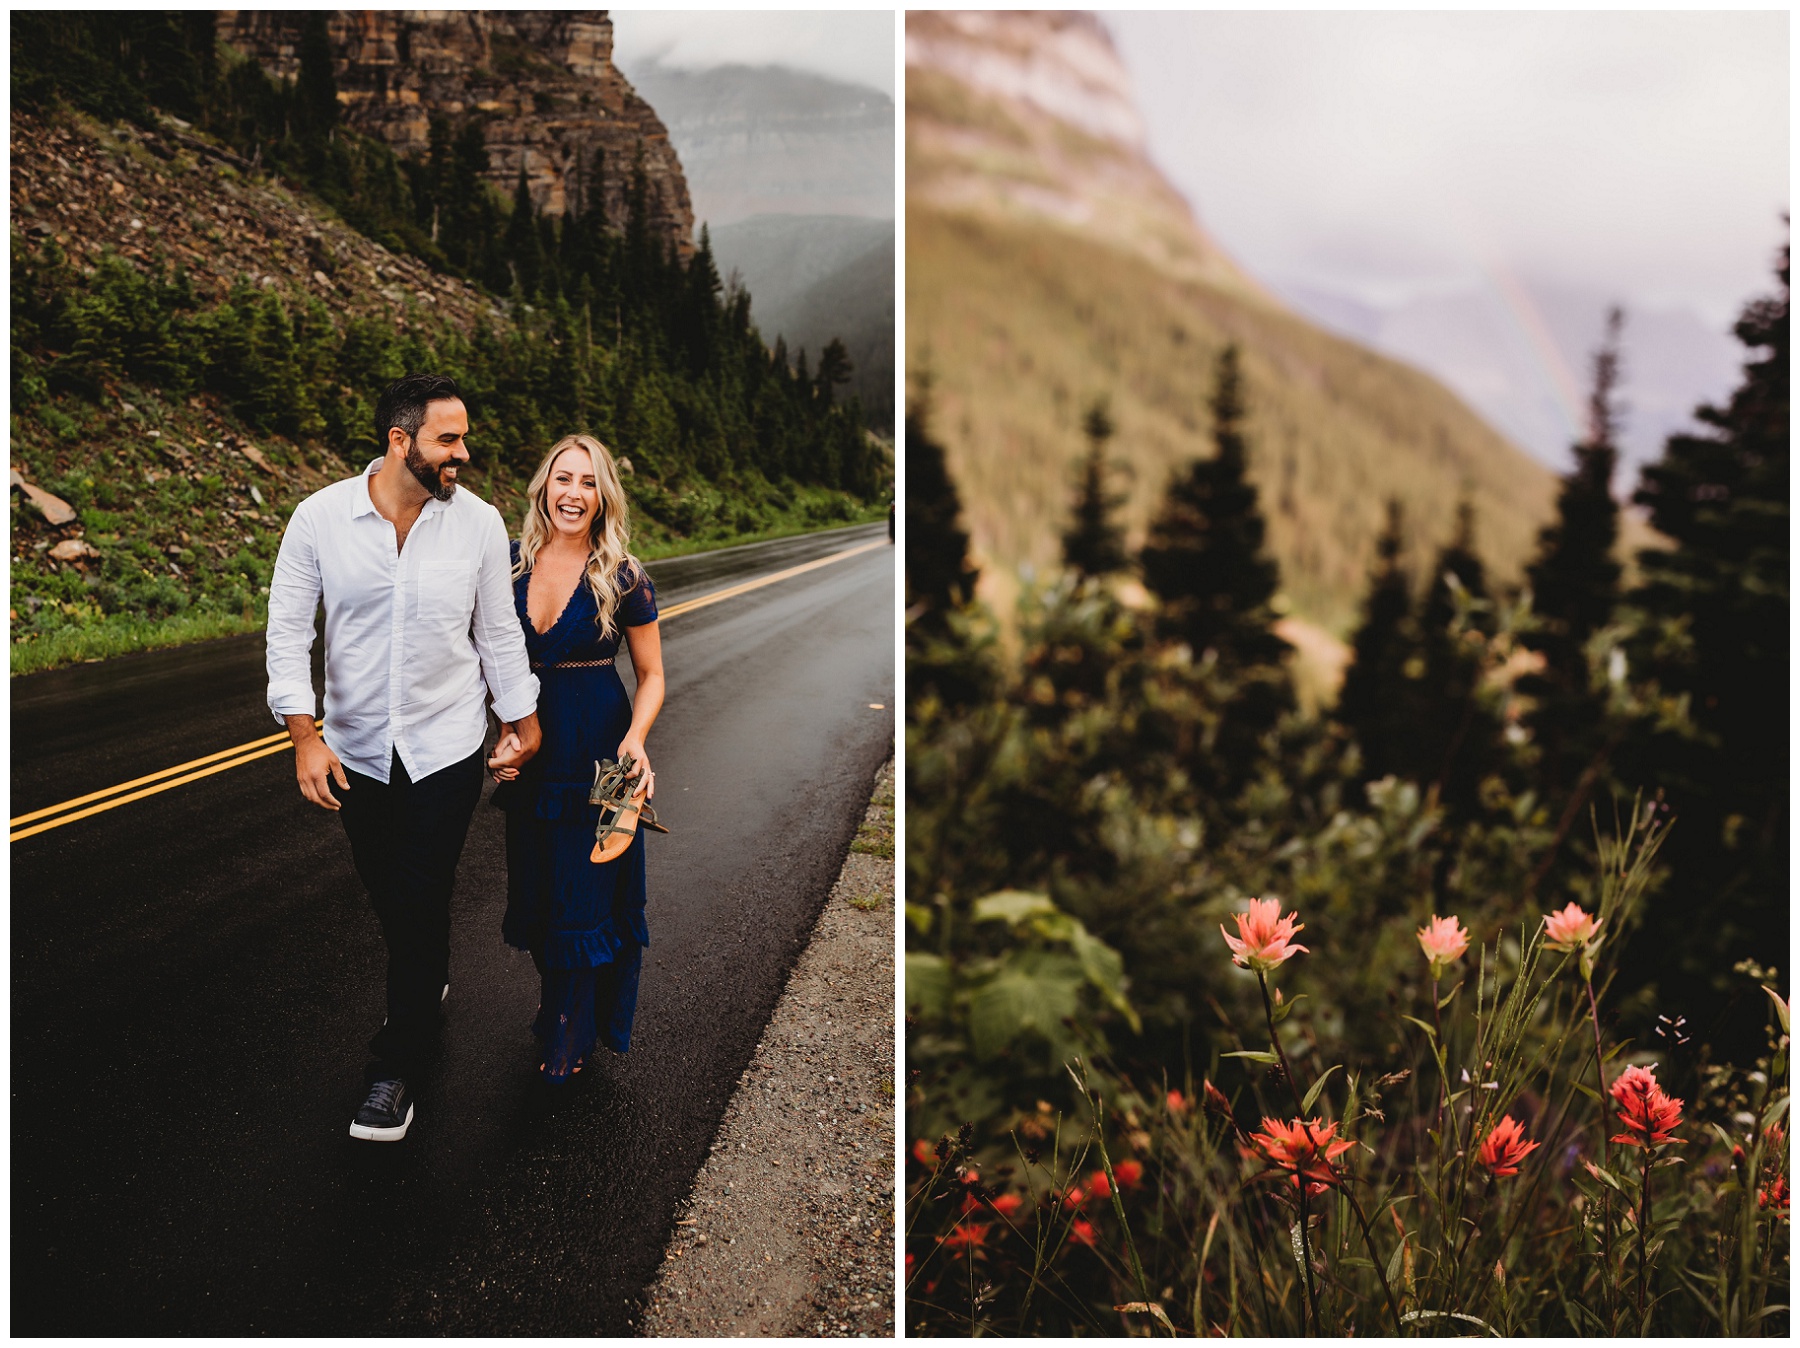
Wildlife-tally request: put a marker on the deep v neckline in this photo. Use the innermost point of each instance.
(561, 613)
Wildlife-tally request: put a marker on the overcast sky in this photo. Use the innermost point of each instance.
(1385, 155)
(856, 46)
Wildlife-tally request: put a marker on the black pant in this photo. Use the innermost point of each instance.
(406, 837)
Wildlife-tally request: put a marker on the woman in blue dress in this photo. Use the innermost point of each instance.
(577, 590)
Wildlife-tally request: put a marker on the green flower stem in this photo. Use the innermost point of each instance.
(1643, 1240)
(1345, 1187)
(1605, 1161)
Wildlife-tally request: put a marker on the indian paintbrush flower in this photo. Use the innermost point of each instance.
(1265, 938)
(1650, 1115)
(1570, 929)
(1505, 1147)
(1129, 1174)
(1303, 1147)
(1443, 939)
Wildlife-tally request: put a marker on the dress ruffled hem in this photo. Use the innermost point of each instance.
(587, 949)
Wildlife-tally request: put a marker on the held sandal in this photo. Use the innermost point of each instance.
(619, 791)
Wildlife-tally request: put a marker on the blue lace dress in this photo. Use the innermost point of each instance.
(583, 923)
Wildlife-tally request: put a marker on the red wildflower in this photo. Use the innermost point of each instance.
(1007, 1204)
(966, 1235)
(911, 1259)
(1774, 1194)
(1177, 1103)
(1265, 938)
(1082, 1233)
(1505, 1147)
(1129, 1174)
(1303, 1147)
(925, 1153)
(1650, 1116)
(1099, 1186)
(1215, 1099)
(1443, 939)
(1075, 1197)
(1570, 929)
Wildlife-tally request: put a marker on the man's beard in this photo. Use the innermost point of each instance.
(431, 478)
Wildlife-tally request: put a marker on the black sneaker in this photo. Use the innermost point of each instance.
(386, 1114)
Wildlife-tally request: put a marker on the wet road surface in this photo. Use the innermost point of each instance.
(196, 974)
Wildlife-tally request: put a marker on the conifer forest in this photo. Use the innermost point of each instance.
(1453, 1006)
(585, 323)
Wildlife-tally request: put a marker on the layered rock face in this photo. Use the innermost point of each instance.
(1029, 114)
(542, 82)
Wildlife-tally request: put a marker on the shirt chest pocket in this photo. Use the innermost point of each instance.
(443, 594)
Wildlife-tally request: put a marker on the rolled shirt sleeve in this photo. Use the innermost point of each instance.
(294, 591)
(499, 641)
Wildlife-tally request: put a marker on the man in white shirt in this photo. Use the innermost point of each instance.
(420, 632)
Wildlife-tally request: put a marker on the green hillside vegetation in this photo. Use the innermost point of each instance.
(1021, 325)
(171, 302)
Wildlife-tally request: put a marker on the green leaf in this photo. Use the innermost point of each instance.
(1012, 906)
(1355, 1261)
(1449, 996)
(1148, 1308)
(1105, 969)
(1776, 1110)
(1605, 1176)
(1033, 991)
(1317, 1086)
(1423, 1026)
(1781, 1007)
(927, 986)
(1286, 1009)
(1449, 1315)
(1586, 1089)
(1393, 1268)
(920, 916)
(1253, 1056)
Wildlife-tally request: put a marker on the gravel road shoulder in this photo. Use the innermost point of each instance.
(789, 1229)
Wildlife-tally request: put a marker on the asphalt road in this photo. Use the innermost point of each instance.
(196, 974)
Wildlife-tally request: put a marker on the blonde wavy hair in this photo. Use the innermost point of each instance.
(609, 537)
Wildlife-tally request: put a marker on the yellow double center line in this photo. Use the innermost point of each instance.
(97, 802)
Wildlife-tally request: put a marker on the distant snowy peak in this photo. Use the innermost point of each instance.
(1061, 62)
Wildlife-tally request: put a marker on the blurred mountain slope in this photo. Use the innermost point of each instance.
(1049, 263)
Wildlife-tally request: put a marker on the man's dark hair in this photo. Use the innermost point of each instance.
(403, 404)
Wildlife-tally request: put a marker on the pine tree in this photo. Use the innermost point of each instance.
(1574, 589)
(316, 86)
(1380, 693)
(1094, 544)
(523, 250)
(1204, 556)
(1721, 496)
(938, 575)
(1204, 560)
(1459, 735)
(834, 369)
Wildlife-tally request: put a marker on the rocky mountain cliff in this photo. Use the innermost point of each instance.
(542, 83)
(1050, 264)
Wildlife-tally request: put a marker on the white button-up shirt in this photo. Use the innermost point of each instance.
(415, 640)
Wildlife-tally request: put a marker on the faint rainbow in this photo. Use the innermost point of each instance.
(1530, 322)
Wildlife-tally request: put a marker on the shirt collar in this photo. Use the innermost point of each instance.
(364, 504)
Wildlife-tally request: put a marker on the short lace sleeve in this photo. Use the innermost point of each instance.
(637, 607)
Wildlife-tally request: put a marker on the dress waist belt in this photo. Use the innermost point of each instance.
(573, 664)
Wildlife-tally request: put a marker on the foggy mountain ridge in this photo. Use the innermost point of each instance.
(792, 174)
(1480, 345)
(768, 140)
(812, 278)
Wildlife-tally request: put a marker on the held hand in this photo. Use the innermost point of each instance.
(634, 746)
(316, 767)
(508, 755)
(530, 737)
